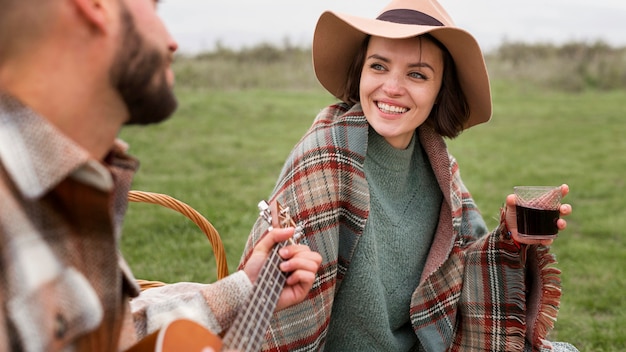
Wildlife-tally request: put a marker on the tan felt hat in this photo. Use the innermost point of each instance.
(338, 37)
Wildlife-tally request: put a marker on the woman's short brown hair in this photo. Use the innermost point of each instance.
(451, 110)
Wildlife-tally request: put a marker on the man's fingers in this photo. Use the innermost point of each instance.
(271, 238)
(302, 259)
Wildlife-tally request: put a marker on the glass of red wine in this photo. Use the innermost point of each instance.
(537, 209)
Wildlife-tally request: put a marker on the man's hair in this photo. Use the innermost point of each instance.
(451, 110)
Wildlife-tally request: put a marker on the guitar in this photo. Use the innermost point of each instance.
(249, 327)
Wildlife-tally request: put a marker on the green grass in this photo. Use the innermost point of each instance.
(221, 154)
(222, 151)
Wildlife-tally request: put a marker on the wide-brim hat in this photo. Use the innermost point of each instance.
(338, 38)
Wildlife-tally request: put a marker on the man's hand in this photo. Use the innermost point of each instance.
(299, 261)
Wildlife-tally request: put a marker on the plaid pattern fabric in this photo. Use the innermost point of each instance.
(61, 274)
(471, 294)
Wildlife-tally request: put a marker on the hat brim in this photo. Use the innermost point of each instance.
(338, 37)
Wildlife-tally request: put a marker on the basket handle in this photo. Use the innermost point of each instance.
(183, 208)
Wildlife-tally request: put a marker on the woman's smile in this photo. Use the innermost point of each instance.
(387, 108)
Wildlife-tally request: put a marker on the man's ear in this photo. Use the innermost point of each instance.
(94, 12)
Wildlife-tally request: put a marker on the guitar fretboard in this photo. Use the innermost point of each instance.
(246, 333)
(252, 321)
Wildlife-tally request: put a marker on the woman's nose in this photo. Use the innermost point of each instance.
(393, 86)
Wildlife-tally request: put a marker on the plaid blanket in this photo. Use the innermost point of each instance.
(477, 292)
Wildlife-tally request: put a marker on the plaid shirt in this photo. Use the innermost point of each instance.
(63, 283)
(471, 294)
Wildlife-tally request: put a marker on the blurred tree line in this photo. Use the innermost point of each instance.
(570, 67)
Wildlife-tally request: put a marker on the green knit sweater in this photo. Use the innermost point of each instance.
(371, 308)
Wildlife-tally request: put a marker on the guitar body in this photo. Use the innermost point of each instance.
(180, 335)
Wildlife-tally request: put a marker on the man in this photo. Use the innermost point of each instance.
(72, 73)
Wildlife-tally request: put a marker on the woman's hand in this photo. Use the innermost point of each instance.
(299, 262)
(511, 219)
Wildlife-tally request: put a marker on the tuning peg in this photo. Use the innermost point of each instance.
(298, 233)
(263, 206)
(265, 212)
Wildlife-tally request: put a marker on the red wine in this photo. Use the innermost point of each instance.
(537, 222)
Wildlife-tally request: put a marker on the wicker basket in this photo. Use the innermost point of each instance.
(206, 227)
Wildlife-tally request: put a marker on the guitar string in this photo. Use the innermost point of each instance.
(255, 312)
(263, 315)
(271, 279)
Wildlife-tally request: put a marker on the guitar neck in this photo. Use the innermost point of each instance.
(252, 321)
(248, 330)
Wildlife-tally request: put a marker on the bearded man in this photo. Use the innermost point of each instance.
(72, 73)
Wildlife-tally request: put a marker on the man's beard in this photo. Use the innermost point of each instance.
(138, 73)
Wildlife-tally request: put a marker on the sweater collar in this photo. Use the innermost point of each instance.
(386, 156)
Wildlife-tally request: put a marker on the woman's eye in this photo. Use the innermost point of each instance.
(417, 75)
(377, 67)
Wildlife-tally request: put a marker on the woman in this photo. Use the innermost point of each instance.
(408, 263)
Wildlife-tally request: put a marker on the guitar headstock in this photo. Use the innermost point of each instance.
(278, 217)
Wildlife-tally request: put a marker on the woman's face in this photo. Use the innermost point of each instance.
(399, 85)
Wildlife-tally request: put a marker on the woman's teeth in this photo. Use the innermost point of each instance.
(391, 109)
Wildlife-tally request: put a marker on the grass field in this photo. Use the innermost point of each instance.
(222, 152)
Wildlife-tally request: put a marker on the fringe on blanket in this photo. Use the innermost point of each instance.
(550, 297)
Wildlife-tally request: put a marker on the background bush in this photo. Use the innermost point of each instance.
(570, 67)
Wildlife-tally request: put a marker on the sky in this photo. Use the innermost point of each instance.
(198, 25)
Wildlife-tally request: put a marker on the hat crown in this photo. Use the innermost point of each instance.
(431, 8)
